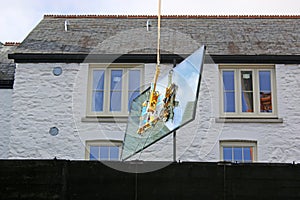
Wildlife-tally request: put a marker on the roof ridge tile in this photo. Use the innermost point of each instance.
(177, 16)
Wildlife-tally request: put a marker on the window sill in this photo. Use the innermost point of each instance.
(249, 120)
(112, 119)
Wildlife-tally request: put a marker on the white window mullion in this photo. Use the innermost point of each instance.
(107, 81)
(125, 91)
(256, 94)
(237, 81)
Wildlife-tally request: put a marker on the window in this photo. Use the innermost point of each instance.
(238, 151)
(248, 91)
(101, 150)
(111, 89)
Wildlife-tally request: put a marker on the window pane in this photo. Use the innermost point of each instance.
(134, 80)
(227, 154)
(229, 102)
(238, 154)
(97, 102)
(131, 96)
(98, 79)
(265, 81)
(247, 91)
(115, 101)
(94, 153)
(247, 102)
(114, 153)
(248, 154)
(265, 91)
(228, 80)
(116, 80)
(104, 152)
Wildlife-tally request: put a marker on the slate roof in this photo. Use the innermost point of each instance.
(7, 66)
(223, 35)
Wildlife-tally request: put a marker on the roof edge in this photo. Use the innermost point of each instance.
(150, 58)
(178, 16)
(12, 43)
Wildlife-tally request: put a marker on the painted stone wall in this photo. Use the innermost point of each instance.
(5, 111)
(42, 100)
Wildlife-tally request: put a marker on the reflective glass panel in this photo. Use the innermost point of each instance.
(265, 91)
(94, 153)
(115, 101)
(133, 85)
(104, 153)
(247, 91)
(98, 79)
(98, 90)
(238, 154)
(229, 102)
(229, 91)
(227, 154)
(134, 79)
(116, 80)
(174, 106)
(228, 80)
(248, 154)
(114, 153)
(116, 90)
(97, 103)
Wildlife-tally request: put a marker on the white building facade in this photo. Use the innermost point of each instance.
(62, 104)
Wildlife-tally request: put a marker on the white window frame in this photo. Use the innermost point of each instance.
(106, 99)
(102, 143)
(237, 84)
(237, 144)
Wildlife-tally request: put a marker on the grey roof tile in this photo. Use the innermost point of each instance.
(223, 35)
(7, 66)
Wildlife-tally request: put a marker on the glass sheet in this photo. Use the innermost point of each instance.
(238, 154)
(229, 91)
(248, 157)
(98, 79)
(227, 154)
(228, 80)
(265, 91)
(229, 102)
(94, 153)
(104, 153)
(114, 153)
(97, 103)
(184, 80)
(247, 91)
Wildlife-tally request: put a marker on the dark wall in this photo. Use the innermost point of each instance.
(60, 179)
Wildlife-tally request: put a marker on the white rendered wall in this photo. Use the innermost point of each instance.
(5, 111)
(42, 100)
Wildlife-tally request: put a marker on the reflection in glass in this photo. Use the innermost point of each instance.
(247, 91)
(114, 153)
(134, 84)
(238, 154)
(248, 154)
(181, 108)
(94, 153)
(227, 154)
(98, 90)
(265, 91)
(116, 90)
(104, 153)
(229, 91)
